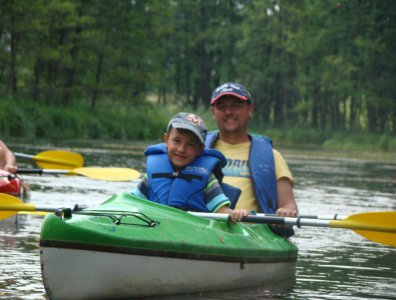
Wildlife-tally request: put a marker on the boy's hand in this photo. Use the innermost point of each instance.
(238, 214)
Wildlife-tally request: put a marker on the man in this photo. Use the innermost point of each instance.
(252, 165)
(7, 159)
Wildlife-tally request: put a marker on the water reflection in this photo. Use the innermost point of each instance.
(332, 263)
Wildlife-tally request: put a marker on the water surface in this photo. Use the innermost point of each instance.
(332, 263)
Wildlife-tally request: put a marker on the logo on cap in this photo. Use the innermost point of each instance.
(189, 122)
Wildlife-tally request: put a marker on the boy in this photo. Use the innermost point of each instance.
(180, 171)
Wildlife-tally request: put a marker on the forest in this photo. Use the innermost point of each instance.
(321, 65)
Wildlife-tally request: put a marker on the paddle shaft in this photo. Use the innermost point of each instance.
(42, 159)
(26, 207)
(55, 159)
(303, 222)
(266, 219)
(22, 155)
(43, 171)
(10, 205)
(319, 217)
(379, 227)
(110, 174)
(32, 207)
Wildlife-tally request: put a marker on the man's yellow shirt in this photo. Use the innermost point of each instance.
(237, 172)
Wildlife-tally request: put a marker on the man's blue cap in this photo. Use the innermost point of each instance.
(231, 89)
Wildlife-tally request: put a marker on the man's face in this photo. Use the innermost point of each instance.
(232, 115)
(183, 147)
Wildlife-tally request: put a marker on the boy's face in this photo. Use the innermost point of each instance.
(183, 147)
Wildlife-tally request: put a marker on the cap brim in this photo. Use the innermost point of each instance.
(243, 98)
(190, 128)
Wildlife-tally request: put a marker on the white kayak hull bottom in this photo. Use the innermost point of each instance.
(82, 274)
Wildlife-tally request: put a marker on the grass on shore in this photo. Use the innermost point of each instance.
(29, 120)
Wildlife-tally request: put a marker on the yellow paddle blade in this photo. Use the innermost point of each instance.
(58, 159)
(379, 227)
(385, 238)
(8, 202)
(6, 214)
(109, 174)
(10, 205)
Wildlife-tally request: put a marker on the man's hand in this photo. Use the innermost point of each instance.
(285, 212)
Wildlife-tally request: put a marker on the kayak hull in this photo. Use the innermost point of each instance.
(90, 257)
(126, 276)
(10, 184)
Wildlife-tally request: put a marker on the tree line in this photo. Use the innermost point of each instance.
(325, 64)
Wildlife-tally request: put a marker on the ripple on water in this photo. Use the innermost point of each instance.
(332, 263)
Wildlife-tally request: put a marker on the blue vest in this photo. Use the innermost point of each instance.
(183, 189)
(262, 170)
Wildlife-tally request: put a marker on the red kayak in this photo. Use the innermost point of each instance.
(10, 183)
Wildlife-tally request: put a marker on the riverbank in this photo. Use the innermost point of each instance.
(27, 121)
(337, 145)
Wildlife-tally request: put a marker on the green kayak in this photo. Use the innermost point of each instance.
(129, 247)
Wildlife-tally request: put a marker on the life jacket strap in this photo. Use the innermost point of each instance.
(188, 177)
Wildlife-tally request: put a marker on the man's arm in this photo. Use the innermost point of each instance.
(7, 159)
(287, 206)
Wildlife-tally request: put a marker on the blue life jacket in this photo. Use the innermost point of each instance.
(183, 189)
(262, 171)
